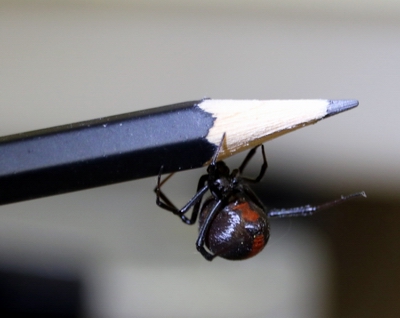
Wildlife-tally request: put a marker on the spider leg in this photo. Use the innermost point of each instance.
(218, 150)
(163, 202)
(204, 229)
(246, 160)
(196, 207)
(310, 209)
(161, 197)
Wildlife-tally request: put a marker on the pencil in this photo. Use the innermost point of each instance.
(135, 145)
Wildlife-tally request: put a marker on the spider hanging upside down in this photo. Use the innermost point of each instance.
(233, 222)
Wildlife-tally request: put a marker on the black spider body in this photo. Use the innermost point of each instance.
(240, 230)
(233, 222)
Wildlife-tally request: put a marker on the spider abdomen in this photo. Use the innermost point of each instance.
(239, 231)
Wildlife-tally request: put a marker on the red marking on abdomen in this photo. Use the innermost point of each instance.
(248, 213)
(258, 245)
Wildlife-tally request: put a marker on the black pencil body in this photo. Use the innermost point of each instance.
(104, 151)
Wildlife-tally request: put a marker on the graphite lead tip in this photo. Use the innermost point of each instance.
(340, 105)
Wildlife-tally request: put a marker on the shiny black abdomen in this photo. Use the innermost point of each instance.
(239, 231)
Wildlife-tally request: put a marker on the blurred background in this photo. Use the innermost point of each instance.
(111, 252)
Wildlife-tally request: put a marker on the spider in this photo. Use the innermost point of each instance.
(233, 222)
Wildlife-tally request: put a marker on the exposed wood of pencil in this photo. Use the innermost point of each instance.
(248, 123)
(135, 145)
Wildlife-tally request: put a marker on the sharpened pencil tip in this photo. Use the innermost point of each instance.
(341, 105)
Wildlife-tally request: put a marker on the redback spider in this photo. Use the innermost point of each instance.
(233, 222)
